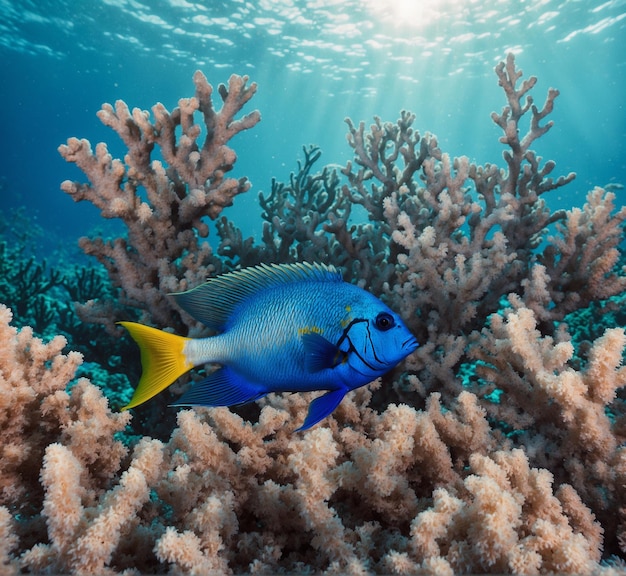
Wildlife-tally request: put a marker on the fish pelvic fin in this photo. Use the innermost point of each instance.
(321, 407)
(163, 360)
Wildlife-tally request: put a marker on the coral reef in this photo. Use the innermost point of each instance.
(402, 491)
(501, 449)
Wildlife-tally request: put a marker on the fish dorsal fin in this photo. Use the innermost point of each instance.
(213, 302)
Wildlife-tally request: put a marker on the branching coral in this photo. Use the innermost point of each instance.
(507, 520)
(402, 491)
(162, 204)
(26, 284)
(37, 410)
(501, 449)
(559, 411)
(295, 218)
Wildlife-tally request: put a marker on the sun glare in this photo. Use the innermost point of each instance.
(410, 13)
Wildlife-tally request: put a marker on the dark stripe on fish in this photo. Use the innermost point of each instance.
(352, 347)
(369, 335)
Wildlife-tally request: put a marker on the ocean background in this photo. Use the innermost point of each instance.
(315, 63)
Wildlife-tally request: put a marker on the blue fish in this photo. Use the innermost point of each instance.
(282, 328)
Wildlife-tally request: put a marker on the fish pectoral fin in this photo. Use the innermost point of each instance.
(319, 353)
(221, 388)
(321, 407)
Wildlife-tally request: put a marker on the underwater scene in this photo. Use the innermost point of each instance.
(319, 287)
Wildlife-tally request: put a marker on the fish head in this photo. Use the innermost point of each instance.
(375, 339)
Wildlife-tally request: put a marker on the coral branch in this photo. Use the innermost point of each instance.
(162, 205)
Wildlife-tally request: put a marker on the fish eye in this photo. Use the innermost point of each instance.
(384, 321)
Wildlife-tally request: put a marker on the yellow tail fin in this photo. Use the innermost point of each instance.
(162, 360)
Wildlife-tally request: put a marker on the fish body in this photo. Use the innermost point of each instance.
(282, 328)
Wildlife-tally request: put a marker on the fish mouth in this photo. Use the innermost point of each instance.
(410, 344)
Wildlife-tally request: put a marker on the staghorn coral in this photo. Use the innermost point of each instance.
(560, 411)
(36, 409)
(401, 491)
(508, 520)
(464, 251)
(294, 216)
(27, 285)
(501, 450)
(162, 204)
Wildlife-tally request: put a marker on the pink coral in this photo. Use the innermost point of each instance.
(404, 490)
(162, 252)
(502, 450)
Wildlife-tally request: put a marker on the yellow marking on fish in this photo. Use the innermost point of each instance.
(348, 317)
(310, 330)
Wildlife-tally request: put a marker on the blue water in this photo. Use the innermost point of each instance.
(315, 63)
